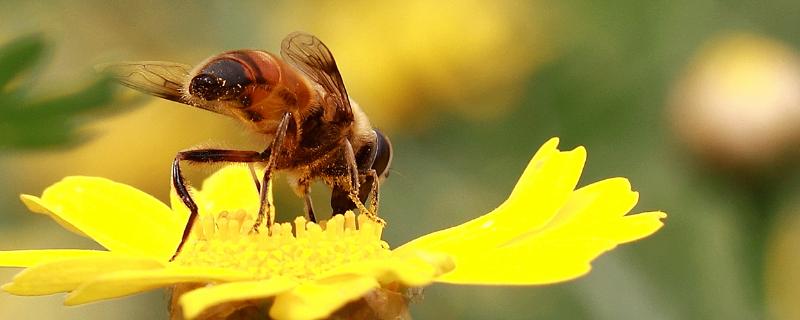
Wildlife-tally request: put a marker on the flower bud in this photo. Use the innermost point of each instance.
(738, 102)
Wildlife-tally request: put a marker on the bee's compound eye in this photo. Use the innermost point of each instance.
(383, 156)
(222, 79)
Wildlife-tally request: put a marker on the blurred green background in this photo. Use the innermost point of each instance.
(696, 102)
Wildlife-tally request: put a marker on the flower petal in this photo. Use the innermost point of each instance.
(545, 232)
(318, 299)
(593, 221)
(637, 226)
(127, 282)
(588, 207)
(547, 260)
(66, 275)
(411, 268)
(229, 189)
(542, 190)
(593, 202)
(197, 301)
(117, 216)
(36, 205)
(29, 258)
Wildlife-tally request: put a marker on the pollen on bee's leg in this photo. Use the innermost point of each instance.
(366, 211)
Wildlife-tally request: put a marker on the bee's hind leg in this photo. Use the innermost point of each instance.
(202, 156)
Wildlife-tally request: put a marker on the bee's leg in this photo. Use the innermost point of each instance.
(202, 156)
(179, 184)
(253, 175)
(343, 200)
(355, 181)
(354, 194)
(273, 151)
(309, 206)
(371, 186)
(352, 167)
(346, 195)
(340, 200)
(303, 189)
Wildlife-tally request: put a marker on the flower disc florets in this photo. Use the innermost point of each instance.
(299, 250)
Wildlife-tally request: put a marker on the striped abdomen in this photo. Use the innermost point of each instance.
(253, 86)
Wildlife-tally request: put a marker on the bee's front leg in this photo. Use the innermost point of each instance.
(371, 186)
(353, 196)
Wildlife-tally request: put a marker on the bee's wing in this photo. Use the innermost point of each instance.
(158, 78)
(309, 55)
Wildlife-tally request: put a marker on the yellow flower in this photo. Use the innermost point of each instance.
(545, 232)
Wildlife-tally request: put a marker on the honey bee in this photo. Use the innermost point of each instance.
(297, 101)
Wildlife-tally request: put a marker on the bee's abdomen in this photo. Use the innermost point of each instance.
(219, 80)
(274, 87)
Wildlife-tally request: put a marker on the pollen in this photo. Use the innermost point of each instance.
(300, 250)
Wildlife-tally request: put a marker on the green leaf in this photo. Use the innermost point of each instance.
(27, 123)
(19, 55)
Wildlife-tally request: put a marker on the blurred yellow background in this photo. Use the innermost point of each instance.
(697, 102)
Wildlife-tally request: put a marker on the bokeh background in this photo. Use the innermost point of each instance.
(696, 102)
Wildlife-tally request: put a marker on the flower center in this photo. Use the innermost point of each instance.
(302, 250)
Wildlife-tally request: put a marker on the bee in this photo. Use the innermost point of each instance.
(298, 101)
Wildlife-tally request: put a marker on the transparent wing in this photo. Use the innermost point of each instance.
(159, 78)
(309, 55)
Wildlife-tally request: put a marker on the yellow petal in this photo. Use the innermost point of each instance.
(587, 208)
(29, 258)
(35, 205)
(414, 269)
(544, 187)
(117, 216)
(127, 282)
(548, 259)
(504, 266)
(318, 299)
(197, 301)
(593, 221)
(545, 232)
(229, 189)
(637, 226)
(66, 275)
